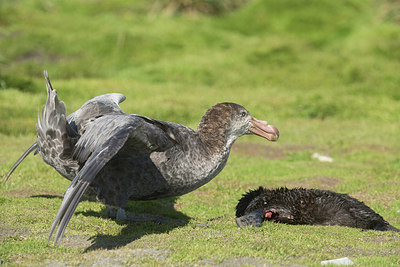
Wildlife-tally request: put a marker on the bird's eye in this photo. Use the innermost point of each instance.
(243, 114)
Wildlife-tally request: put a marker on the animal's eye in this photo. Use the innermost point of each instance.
(243, 114)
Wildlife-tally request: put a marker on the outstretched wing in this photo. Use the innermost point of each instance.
(97, 146)
(57, 136)
(95, 108)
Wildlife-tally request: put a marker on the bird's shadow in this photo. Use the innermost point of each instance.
(135, 230)
(46, 196)
(84, 198)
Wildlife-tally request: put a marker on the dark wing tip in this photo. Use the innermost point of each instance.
(48, 84)
(70, 202)
(78, 186)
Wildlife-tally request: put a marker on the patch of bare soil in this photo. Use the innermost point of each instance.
(120, 257)
(19, 233)
(241, 261)
(380, 239)
(202, 193)
(377, 148)
(267, 151)
(273, 152)
(237, 261)
(77, 241)
(390, 252)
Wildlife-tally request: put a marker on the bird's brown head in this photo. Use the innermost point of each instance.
(228, 121)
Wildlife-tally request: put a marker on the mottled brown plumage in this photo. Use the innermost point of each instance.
(220, 115)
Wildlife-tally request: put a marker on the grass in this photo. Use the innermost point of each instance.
(325, 73)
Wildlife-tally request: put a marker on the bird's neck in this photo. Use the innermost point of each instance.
(214, 138)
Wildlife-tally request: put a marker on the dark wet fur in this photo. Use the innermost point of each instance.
(307, 206)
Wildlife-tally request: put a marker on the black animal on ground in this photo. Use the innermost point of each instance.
(128, 156)
(307, 206)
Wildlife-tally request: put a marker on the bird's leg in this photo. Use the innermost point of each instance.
(121, 215)
(116, 213)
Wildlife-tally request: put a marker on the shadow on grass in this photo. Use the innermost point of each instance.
(90, 195)
(163, 209)
(84, 198)
(135, 230)
(46, 196)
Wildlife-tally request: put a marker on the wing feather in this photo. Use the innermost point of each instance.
(55, 137)
(57, 133)
(86, 175)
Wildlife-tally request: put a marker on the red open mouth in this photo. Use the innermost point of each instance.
(271, 214)
(278, 216)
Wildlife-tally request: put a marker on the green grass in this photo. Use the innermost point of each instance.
(325, 73)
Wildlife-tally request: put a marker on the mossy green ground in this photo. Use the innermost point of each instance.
(325, 73)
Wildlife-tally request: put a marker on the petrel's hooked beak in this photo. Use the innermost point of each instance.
(263, 129)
